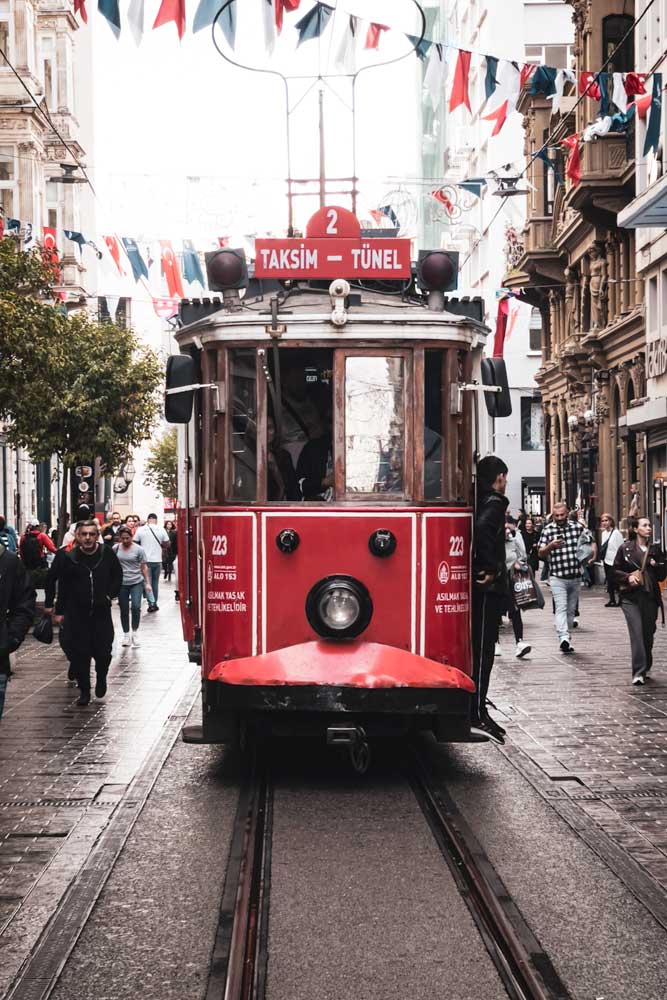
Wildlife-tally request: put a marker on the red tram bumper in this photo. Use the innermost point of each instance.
(381, 685)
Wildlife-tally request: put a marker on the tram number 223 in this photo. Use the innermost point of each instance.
(219, 545)
(456, 545)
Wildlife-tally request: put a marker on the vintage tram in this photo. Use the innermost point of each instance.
(326, 455)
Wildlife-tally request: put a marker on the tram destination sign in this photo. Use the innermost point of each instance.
(333, 248)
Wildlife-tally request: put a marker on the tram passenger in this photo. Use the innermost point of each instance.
(301, 420)
(314, 471)
(282, 483)
(490, 589)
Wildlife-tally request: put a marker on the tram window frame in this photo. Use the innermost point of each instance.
(339, 449)
(260, 426)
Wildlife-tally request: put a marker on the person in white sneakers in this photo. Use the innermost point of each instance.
(515, 557)
(132, 559)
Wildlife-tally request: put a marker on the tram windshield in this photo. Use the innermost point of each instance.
(374, 425)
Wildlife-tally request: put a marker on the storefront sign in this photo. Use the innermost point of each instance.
(656, 358)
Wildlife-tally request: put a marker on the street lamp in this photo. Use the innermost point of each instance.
(125, 476)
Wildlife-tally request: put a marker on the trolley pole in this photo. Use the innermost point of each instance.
(323, 172)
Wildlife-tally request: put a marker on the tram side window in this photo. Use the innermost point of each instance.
(374, 425)
(433, 429)
(243, 425)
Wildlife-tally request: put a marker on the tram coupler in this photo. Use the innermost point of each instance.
(356, 741)
(342, 735)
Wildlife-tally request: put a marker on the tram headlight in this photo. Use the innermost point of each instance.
(339, 607)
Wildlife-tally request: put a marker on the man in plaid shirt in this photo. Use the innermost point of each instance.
(558, 544)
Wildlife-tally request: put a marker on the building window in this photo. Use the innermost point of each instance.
(7, 181)
(535, 331)
(5, 32)
(614, 28)
(557, 56)
(48, 60)
(122, 314)
(532, 424)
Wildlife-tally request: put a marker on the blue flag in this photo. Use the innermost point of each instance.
(390, 213)
(191, 264)
(314, 22)
(137, 263)
(12, 226)
(543, 154)
(420, 47)
(206, 14)
(109, 9)
(474, 185)
(543, 80)
(652, 140)
(75, 237)
(490, 80)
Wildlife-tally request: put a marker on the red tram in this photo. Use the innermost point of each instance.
(326, 456)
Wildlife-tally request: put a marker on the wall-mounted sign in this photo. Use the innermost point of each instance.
(83, 471)
(656, 358)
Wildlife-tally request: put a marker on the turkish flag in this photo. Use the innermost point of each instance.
(573, 168)
(171, 10)
(588, 85)
(165, 308)
(634, 83)
(114, 250)
(80, 8)
(373, 35)
(280, 7)
(170, 269)
(50, 249)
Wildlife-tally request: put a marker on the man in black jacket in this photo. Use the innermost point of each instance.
(490, 587)
(17, 611)
(89, 577)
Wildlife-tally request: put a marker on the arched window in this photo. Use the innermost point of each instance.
(614, 29)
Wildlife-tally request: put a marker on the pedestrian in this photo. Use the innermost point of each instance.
(115, 522)
(515, 559)
(8, 537)
(639, 567)
(52, 578)
(169, 556)
(17, 612)
(33, 546)
(132, 559)
(489, 592)
(531, 538)
(611, 540)
(89, 578)
(154, 540)
(558, 544)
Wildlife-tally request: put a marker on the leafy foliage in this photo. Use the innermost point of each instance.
(161, 469)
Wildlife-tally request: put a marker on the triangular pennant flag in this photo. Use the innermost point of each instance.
(527, 71)
(206, 14)
(345, 56)
(75, 237)
(109, 10)
(171, 10)
(563, 76)
(573, 168)
(543, 154)
(313, 23)
(170, 269)
(652, 140)
(114, 250)
(374, 34)
(269, 23)
(191, 264)
(135, 17)
(491, 77)
(280, 7)
(603, 84)
(499, 116)
(544, 81)
(388, 211)
(436, 74)
(420, 45)
(80, 8)
(137, 263)
(642, 103)
(223, 241)
(475, 185)
(618, 93)
(112, 302)
(460, 93)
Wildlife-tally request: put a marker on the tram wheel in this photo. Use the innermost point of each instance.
(360, 753)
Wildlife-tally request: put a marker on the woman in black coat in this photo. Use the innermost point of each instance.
(531, 539)
(639, 567)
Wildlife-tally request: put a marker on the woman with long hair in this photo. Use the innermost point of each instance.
(639, 567)
(611, 540)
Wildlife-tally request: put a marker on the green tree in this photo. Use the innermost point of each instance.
(161, 469)
(69, 386)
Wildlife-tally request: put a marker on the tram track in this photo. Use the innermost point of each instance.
(240, 955)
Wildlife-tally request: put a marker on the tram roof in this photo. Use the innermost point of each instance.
(306, 314)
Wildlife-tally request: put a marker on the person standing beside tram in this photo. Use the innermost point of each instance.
(490, 587)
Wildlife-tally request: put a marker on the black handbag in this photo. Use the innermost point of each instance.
(43, 630)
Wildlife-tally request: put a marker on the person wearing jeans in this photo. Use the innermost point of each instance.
(132, 559)
(558, 544)
(152, 539)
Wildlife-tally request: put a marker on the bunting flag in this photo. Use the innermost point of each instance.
(171, 10)
(573, 168)
(460, 93)
(491, 77)
(170, 269)
(420, 45)
(543, 154)
(499, 117)
(165, 308)
(135, 17)
(137, 263)
(223, 241)
(191, 264)
(280, 7)
(526, 72)
(642, 103)
(206, 15)
(374, 34)
(544, 81)
(634, 83)
(12, 227)
(269, 25)
(109, 10)
(501, 327)
(390, 214)
(442, 198)
(652, 139)
(435, 76)
(474, 185)
(563, 76)
(345, 57)
(114, 250)
(313, 23)
(619, 94)
(80, 8)
(112, 302)
(75, 237)
(602, 79)
(376, 216)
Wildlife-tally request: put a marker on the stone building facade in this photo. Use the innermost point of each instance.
(49, 53)
(579, 269)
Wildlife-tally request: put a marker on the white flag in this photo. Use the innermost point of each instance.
(435, 77)
(619, 96)
(135, 16)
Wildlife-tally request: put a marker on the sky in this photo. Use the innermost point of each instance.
(188, 146)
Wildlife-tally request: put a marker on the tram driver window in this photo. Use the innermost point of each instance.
(243, 425)
(374, 425)
(434, 362)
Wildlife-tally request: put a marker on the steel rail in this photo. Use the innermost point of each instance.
(238, 964)
(524, 968)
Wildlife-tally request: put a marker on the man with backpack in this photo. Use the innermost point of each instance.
(8, 537)
(32, 546)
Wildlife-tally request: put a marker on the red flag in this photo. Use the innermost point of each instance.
(2, 226)
(50, 250)
(373, 35)
(499, 116)
(440, 196)
(170, 269)
(460, 94)
(634, 83)
(643, 102)
(223, 241)
(80, 8)
(527, 71)
(171, 10)
(376, 216)
(280, 7)
(114, 250)
(501, 327)
(573, 168)
(165, 308)
(589, 86)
